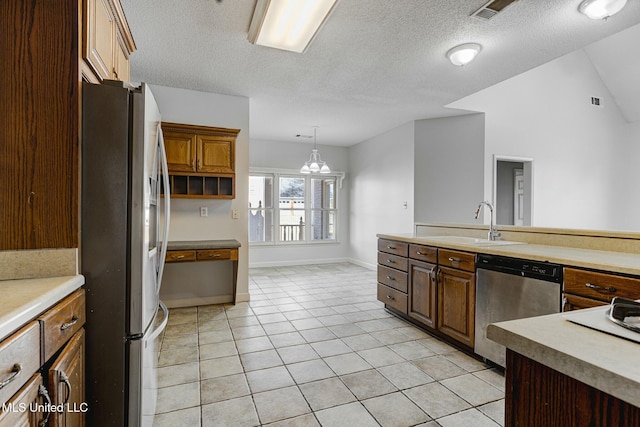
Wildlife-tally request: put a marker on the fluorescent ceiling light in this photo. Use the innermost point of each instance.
(463, 54)
(601, 9)
(288, 24)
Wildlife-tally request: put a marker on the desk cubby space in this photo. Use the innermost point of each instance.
(202, 187)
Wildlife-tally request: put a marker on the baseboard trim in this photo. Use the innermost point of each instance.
(363, 264)
(192, 302)
(297, 262)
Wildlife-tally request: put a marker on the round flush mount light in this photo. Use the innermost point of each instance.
(463, 54)
(601, 9)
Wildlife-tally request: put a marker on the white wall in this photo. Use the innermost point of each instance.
(381, 180)
(291, 156)
(578, 149)
(209, 282)
(449, 168)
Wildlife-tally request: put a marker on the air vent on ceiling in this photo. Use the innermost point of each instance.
(491, 9)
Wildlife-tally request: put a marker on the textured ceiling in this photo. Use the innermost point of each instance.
(374, 65)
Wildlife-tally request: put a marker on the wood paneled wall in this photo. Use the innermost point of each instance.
(39, 124)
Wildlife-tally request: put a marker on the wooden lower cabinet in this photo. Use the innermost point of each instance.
(66, 384)
(456, 304)
(21, 410)
(538, 396)
(422, 298)
(585, 289)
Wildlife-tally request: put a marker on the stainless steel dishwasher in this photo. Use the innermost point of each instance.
(508, 289)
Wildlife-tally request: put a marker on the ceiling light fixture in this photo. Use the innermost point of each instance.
(288, 24)
(601, 9)
(463, 54)
(315, 163)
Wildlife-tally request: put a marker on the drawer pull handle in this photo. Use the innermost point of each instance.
(67, 325)
(391, 298)
(390, 247)
(15, 370)
(418, 253)
(65, 380)
(42, 391)
(453, 260)
(599, 288)
(390, 261)
(177, 256)
(391, 278)
(214, 255)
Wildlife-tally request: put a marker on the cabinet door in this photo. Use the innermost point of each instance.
(181, 151)
(23, 409)
(456, 304)
(100, 30)
(121, 61)
(422, 293)
(66, 383)
(215, 153)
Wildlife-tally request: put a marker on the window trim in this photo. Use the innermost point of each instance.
(275, 174)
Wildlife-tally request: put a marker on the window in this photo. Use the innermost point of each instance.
(292, 208)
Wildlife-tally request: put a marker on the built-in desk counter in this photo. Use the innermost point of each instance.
(205, 250)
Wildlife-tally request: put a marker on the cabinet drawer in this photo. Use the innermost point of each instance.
(61, 322)
(19, 359)
(217, 254)
(392, 298)
(392, 278)
(573, 302)
(461, 260)
(180, 256)
(423, 253)
(393, 247)
(393, 261)
(600, 286)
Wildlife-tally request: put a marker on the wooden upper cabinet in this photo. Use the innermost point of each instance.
(107, 40)
(216, 153)
(181, 151)
(201, 160)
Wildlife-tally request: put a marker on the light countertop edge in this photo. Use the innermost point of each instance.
(202, 244)
(25, 299)
(615, 262)
(605, 362)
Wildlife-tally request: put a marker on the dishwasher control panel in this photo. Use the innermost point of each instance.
(521, 267)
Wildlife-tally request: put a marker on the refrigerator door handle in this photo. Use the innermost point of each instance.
(158, 330)
(167, 207)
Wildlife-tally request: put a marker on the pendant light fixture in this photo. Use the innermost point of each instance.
(315, 163)
(601, 9)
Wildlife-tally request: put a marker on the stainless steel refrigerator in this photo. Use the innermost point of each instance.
(122, 251)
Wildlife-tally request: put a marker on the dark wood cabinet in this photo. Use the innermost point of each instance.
(585, 289)
(392, 274)
(456, 304)
(422, 302)
(67, 384)
(201, 160)
(33, 395)
(539, 396)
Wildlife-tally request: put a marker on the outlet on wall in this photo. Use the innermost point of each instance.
(204, 211)
(234, 214)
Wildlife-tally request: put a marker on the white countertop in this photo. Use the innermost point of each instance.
(603, 361)
(615, 262)
(23, 300)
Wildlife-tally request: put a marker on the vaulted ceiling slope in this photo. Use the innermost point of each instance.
(374, 65)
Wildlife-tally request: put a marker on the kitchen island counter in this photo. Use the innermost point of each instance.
(564, 365)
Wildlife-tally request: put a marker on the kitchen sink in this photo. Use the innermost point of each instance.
(472, 241)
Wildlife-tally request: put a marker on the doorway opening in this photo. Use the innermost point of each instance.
(513, 190)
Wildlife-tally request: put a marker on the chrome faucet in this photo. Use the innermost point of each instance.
(493, 231)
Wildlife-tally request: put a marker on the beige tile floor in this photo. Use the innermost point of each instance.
(315, 348)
